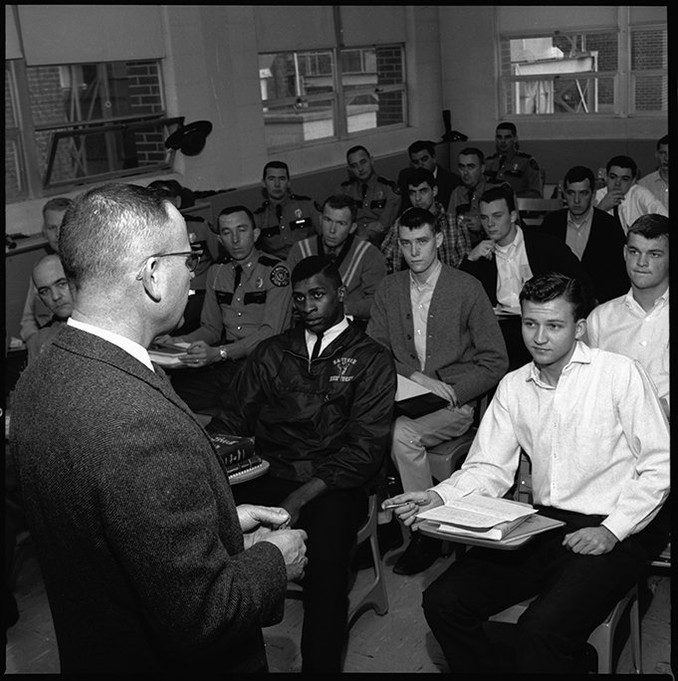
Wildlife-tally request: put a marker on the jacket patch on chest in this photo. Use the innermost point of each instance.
(343, 366)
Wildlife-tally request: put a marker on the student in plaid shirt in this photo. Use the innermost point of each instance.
(422, 190)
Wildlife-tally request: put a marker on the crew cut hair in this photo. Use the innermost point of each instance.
(110, 229)
(316, 264)
(414, 217)
(650, 226)
(58, 203)
(340, 201)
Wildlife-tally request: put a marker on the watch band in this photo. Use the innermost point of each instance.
(222, 352)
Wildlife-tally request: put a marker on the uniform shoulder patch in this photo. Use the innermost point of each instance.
(280, 275)
(318, 206)
(300, 197)
(491, 158)
(347, 183)
(533, 163)
(261, 208)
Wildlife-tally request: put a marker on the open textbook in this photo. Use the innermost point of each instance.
(476, 515)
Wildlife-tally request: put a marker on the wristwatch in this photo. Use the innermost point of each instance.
(222, 352)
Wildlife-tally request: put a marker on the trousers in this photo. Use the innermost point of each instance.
(411, 437)
(331, 522)
(574, 595)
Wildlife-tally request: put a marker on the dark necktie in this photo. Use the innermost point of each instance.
(364, 188)
(615, 212)
(278, 213)
(238, 275)
(316, 347)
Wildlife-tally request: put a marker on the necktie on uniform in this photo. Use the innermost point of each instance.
(316, 347)
(364, 190)
(278, 213)
(238, 275)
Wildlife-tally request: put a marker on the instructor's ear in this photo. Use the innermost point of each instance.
(149, 275)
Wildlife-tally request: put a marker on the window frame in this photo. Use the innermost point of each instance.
(339, 96)
(23, 134)
(623, 78)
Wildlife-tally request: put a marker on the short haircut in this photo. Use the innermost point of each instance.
(166, 188)
(413, 218)
(110, 229)
(547, 287)
(650, 226)
(316, 264)
(422, 145)
(229, 210)
(355, 149)
(663, 140)
(623, 162)
(473, 151)
(498, 192)
(340, 201)
(416, 176)
(58, 203)
(506, 125)
(579, 174)
(281, 165)
(51, 257)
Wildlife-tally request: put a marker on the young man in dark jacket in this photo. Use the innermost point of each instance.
(318, 399)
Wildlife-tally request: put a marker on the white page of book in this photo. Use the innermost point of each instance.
(408, 388)
(477, 511)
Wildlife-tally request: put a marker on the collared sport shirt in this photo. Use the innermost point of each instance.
(577, 235)
(420, 297)
(638, 201)
(622, 325)
(598, 441)
(658, 186)
(513, 270)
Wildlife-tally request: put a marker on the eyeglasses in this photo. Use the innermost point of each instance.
(192, 258)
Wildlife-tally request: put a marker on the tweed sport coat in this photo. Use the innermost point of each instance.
(134, 523)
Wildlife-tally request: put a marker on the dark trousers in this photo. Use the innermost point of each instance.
(575, 594)
(331, 522)
(207, 389)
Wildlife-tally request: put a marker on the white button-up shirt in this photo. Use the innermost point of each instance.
(329, 335)
(420, 299)
(129, 346)
(513, 270)
(638, 201)
(657, 185)
(598, 441)
(622, 325)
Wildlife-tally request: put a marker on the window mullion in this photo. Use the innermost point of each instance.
(624, 52)
(340, 99)
(27, 129)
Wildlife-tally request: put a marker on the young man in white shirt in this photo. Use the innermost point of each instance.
(637, 323)
(592, 425)
(622, 197)
(658, 181)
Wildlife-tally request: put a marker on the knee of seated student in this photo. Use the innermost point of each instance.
(405, 431)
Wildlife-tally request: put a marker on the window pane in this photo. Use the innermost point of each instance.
(295, 74)
(366, 73)
(650, 93)
(649, 49)
(560, 94)
(14, 186)
(291, 124)
(85, 92)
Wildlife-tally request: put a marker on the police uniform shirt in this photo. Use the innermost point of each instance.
(202, 239)
(283, 224)
(520, 170)
(378, 200)
(248, 301)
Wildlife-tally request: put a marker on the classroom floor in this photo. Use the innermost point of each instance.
(399, 641)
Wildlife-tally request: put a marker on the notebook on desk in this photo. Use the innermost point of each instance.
(413, 400)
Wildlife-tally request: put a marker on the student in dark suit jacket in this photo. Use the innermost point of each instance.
(593, 235)
(423, 155)
(508, 258)
(149, 565)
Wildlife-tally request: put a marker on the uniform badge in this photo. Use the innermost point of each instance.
(259, 283)
(280, 276)
(380, 194)
(298, 213)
